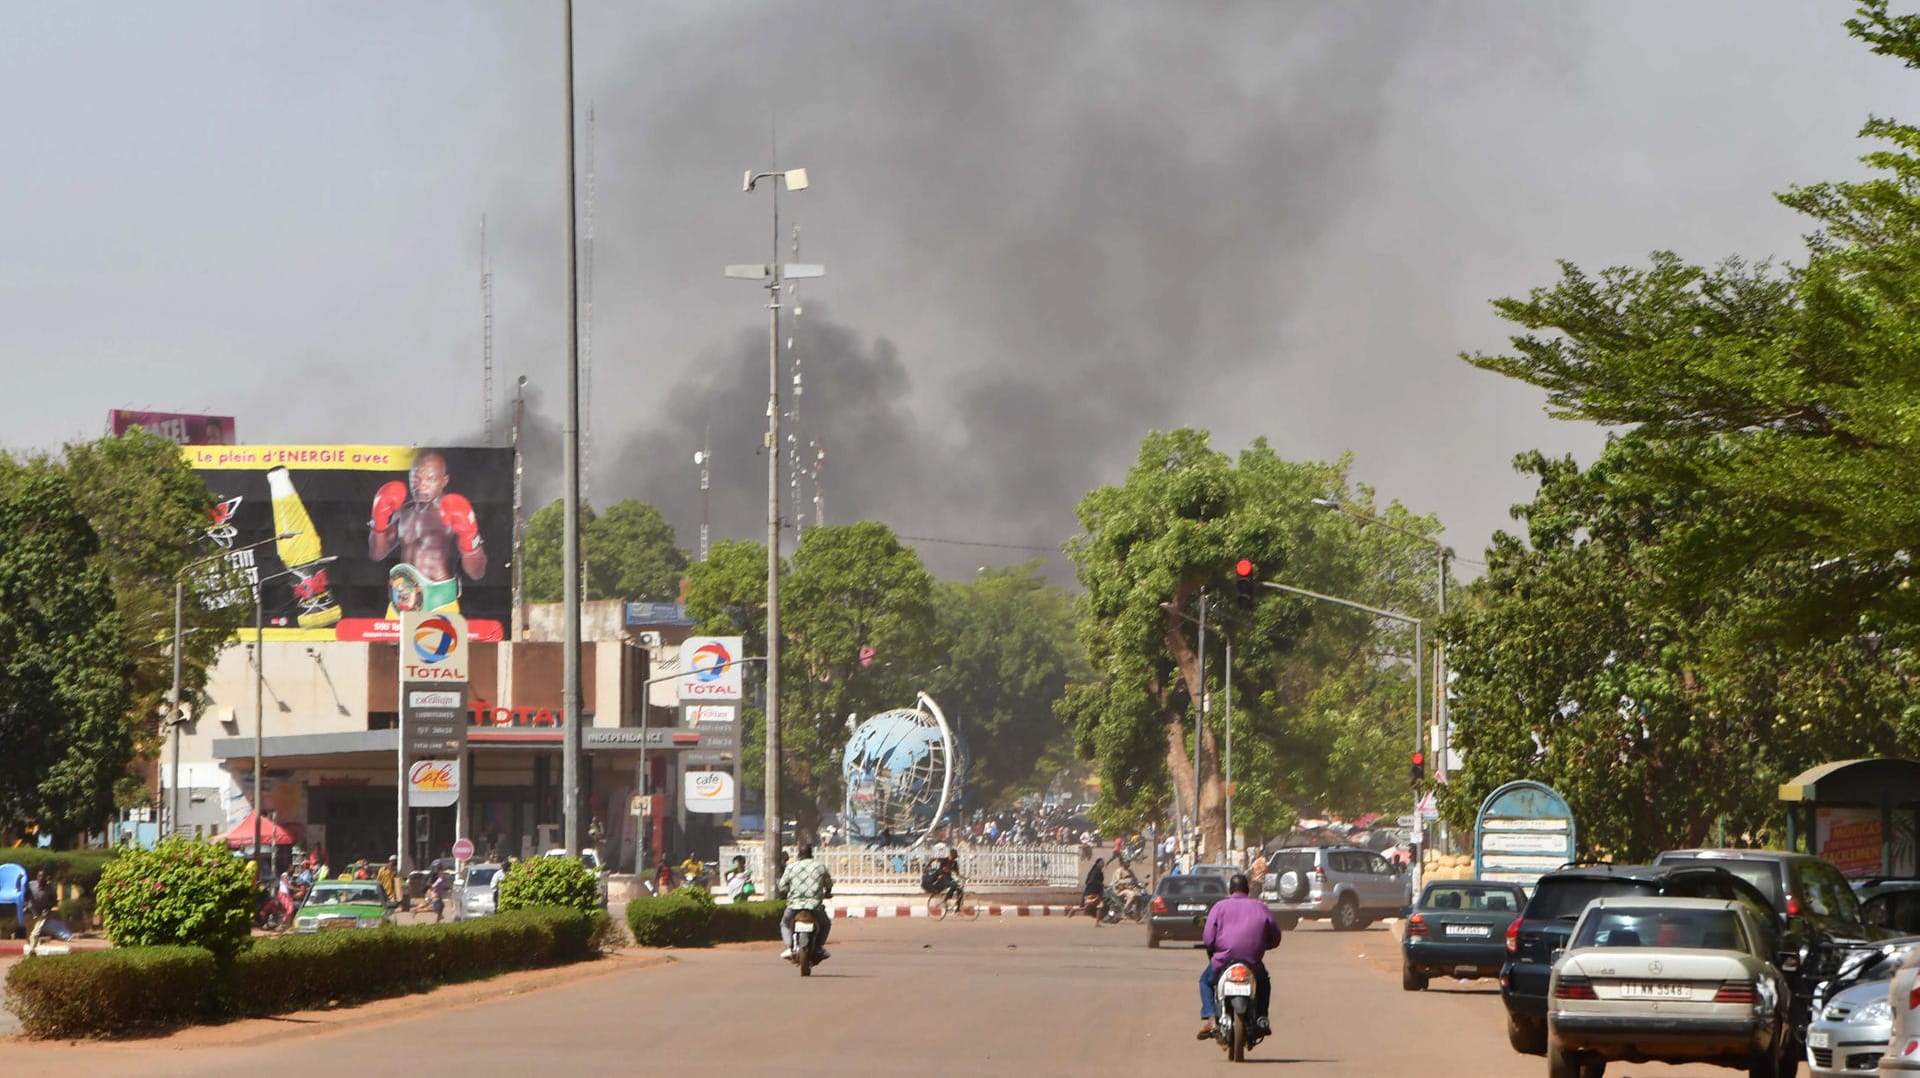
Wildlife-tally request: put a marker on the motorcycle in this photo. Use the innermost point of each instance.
(1235, 1029)
(1123, 901)
(806, 950)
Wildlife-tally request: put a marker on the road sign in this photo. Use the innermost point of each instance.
(463, 849)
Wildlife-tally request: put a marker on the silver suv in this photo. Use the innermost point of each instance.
(1350, 886)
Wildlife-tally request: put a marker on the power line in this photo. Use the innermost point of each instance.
(969, 542)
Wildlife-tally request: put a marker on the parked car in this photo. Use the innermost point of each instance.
(1818, 912)
(1558, 899)
(1849, 1033)
(1903, 1005)
(1347, 885)
(1180, 906)
(1890, 904)
(482, 890)
(343, 904)
(1458, 929)
(1679, 980)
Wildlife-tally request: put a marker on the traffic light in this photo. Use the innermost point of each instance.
(1419, 769)
(1245, 588)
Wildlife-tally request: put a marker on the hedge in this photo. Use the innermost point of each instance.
(86, 993)
(689, 918)
(127, 990)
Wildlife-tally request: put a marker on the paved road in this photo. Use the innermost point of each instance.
(1010, 996)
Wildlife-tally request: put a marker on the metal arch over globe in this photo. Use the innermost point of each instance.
(905, 770)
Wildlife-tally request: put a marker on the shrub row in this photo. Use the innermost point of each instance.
(134, 989)
(689, 918)
(131, 990)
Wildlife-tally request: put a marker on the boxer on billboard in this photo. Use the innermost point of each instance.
(436, 534)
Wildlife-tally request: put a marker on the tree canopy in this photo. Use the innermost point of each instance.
(1724, 597)
(627, 552)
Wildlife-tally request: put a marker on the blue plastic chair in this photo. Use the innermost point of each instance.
(13, 889)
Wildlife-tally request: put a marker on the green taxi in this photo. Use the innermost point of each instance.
(343, 904)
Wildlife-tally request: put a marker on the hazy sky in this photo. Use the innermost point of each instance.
(1049, 227)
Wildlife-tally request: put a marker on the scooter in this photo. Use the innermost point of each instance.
(805, 951)
(1235, 1029)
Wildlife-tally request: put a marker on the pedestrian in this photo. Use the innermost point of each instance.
(663, 877)
(389, 878)
(437, 890)
(42, 900)
(739, 882)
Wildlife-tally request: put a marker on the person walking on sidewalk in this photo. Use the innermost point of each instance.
(437, 892)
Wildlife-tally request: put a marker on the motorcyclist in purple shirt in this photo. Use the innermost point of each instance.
(1239, 929)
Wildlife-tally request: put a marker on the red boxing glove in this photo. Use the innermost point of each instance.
(457, 513)
(386, 503)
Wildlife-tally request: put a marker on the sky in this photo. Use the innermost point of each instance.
(1048, 228)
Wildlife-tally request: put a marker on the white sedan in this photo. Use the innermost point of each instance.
(1680, 980)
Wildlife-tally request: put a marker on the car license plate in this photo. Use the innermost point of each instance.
(338, 922)
(1233, 989)
(1654, 990)
(1819, 1039)
(1192, 907)
(1469, 930)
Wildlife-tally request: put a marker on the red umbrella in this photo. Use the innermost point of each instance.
(271, 834)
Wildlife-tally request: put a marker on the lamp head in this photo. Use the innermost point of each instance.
(1326, 503)
(796, 179)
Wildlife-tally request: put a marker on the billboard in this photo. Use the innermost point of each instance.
(342, 540)
(712, 668)
(183, 428)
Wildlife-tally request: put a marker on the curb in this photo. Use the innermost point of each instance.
(920, 910)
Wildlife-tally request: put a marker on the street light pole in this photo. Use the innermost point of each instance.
(1229, 743)
(173, 713)
(1418, 688)
(1199, 724)
(774, 273)
(570, 441)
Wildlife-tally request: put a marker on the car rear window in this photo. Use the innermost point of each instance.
(1296, 861)
(1192, 886)
(1563, 899)
(1764, 875)
(1470, 899)
(1826, 891)
(1685, 929)
(481, 877)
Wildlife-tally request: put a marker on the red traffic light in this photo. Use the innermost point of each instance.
(1419, 758)
(1243, 567)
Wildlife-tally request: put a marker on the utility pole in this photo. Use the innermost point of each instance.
(570, 439)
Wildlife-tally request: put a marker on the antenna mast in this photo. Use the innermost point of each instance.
(486, 334)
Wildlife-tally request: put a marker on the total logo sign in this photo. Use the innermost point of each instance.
(433, 647)
(711, 668)
(709, 791)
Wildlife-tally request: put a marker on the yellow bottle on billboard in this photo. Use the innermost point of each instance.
(299, 548)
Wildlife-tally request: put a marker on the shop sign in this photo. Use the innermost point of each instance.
(435, 720)
(433, 647)
(708, 714)
(433, 783)
(712, 668)
(708, 791)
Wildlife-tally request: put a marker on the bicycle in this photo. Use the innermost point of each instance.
(951, 902)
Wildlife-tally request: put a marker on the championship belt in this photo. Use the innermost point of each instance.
(408, 589)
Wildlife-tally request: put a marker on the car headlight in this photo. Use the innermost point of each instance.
(1877, 1011)
(303, 922)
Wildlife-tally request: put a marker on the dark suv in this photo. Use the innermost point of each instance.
(1557, 901)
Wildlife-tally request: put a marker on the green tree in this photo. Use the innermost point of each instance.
(1185, 515)
(628, 552)
(1010, 656)
(632, 554)
(148, 509)
(858, 630)
(65, 674)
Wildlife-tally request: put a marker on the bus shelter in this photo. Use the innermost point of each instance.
(1862, 815)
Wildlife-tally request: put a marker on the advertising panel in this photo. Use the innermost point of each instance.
(1850, 838)
(181, 427)
(712, 668)
(435, 720)
(350, 537)
(433, 783)
(709, 791)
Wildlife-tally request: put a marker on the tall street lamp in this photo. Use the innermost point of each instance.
(774, 273)
(570, 699)
(173, 715)
(1441, 715)
(1418, 689)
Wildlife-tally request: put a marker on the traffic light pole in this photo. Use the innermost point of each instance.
(1419, 690)
(1199, 724)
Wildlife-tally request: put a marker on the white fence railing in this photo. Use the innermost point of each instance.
(897, 871)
